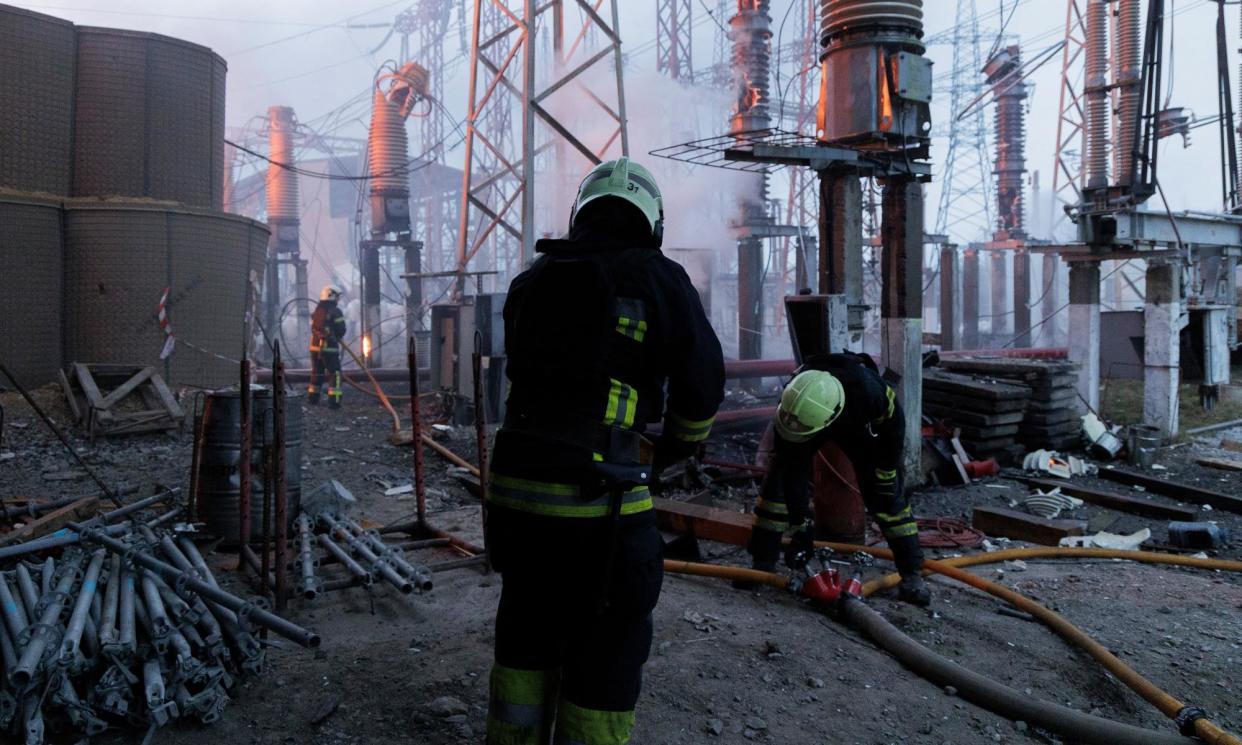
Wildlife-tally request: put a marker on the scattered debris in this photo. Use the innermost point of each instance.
(1223, 464)
(1109, 540)
(1052, 463)
(999, 521)
(1197, 535)
(703, 621)
(399, 490)
(1143, 443)
(1051, 503)
(1103, 439)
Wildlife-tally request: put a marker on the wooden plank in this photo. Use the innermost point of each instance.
(988, 433)
(1223, 464)
(1019, 526)
(124, 389)
(1006, 365)
(87, 382)
(708, 523)
(1233, 445)
(70, 396)
(170, 401)
(1181, 492)
(52, 521)
(1114, 501)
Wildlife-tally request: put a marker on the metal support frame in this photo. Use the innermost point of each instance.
(505, 69)
(675, 39)
(1067, 173)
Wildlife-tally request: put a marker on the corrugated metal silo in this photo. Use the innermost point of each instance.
(150, 118)
(31, 287)
(36, 101)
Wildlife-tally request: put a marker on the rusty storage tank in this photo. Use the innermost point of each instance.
(36, 101)
(219, 482)
(149, 118)
(119, 257)
(32, 256)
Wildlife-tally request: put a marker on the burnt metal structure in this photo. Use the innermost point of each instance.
(675, 39)
(508, 73)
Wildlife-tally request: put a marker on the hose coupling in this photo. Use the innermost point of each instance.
(1186, 718)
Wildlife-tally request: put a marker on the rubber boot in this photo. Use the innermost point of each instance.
(312, 399)
(908, 556)
(764, 548)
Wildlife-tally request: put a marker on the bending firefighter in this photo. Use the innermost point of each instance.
(594, 331)
(327, 332)
(839, 398)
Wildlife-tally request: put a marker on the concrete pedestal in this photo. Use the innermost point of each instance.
(1084, 323)
(1161, 348)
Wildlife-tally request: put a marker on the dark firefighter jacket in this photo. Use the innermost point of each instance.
(594, 331)
(327, 328)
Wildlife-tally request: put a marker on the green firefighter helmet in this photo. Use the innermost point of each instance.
(623, 179)
(812, 401)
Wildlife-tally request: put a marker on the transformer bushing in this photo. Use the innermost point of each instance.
(388, 156)
(1003, 75)
(876, 85)
(1128, 80)
(282, 214)
(1097, 107)
(751, 34)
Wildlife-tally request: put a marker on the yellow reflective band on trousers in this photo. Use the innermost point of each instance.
(622, 405)
(578, 726)
(771, 515)
(560, 500)
(901, 531)
(519, 710)
(688, 430)
(334, 391)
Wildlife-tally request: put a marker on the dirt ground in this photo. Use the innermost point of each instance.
(727, 666)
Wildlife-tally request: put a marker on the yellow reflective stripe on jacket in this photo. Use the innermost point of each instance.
(576, 725)
(688, 430)
(631, 328)
(905, 514)
(561, 500)
(892, 407)
(622, 405)
(886, 474)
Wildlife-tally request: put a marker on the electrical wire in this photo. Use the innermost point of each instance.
(316, 29)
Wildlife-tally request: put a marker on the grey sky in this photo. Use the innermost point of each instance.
(326, 63)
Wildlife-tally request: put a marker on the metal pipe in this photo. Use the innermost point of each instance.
(282, 496)
(161, 626)
(344, 558)
(359, 548)
(243, 463)
(48, 574)
(14, 617)
(42, 632)
(111, 600)
(125, 636)
(419, 575)
(416, 427)
(309, 586)
(81, 608)
(246, 611)
(133, 507)
(26, 589)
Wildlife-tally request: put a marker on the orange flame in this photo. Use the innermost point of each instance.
(366, 347)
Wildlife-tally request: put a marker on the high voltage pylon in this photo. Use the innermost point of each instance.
(675, 39)
(1067, 172)
(561, 108)
(965, 210)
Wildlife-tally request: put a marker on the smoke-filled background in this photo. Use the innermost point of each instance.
(320, 58)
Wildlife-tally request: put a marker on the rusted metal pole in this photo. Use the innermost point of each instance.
(480, 427)
(416, 427)
(245, 448)
(281, 528)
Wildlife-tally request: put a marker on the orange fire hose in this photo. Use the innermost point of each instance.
(1171, 707)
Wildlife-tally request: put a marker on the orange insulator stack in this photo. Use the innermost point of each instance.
(389, 167)
(282, 181)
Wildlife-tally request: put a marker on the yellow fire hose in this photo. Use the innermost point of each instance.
(1171, 707)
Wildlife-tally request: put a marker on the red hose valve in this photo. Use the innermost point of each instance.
(823, 587)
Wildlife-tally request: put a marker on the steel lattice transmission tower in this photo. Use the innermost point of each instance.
(1068, 177)
(674, 39)
(570, 101)
(802, 208)
(965, 210)
(434, 209)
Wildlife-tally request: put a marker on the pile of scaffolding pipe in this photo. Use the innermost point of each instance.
(114, 634)
(362, 552)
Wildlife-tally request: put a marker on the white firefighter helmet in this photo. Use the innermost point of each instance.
(330, 292)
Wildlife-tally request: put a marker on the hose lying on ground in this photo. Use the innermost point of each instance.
(995, 696)
(1168, 705)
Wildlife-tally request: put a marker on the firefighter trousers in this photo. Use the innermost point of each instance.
(325, 364)
(568, 668)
